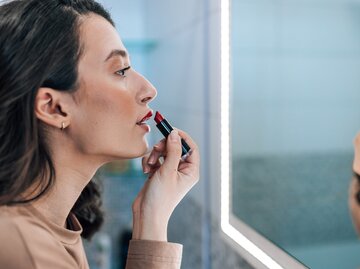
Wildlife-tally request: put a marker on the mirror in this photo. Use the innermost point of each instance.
(293, 114)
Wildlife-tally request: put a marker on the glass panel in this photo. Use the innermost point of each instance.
(294, 113)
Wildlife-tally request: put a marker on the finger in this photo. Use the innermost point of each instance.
(194, 157)
(145, 164)
(173, 154)
(151, 158)
(155, 155)
(154, 168)
(161, 144)
(158, 150)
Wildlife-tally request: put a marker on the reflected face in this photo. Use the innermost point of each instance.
(112, 98)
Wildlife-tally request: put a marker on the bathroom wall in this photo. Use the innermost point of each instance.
(295, 92)
(295, 75)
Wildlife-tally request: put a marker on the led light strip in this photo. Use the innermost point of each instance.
(227, 228)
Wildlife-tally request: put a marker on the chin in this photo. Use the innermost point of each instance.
(141, 150)
(131, 150)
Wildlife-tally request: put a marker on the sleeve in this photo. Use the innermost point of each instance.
(153, 255)
(13, 251)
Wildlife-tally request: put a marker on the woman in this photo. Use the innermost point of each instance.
(69, 103)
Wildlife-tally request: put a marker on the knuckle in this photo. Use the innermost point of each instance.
(195, 147)
(184, 133)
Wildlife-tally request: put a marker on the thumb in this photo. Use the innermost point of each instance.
(173, 153)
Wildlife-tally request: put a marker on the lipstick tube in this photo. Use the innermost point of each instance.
(165, 128)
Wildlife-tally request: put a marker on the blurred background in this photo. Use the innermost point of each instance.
(295, 112)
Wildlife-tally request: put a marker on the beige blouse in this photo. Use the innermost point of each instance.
(29, 240)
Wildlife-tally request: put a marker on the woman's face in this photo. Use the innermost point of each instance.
(110, 101)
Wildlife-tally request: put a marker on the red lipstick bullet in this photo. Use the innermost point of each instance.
(165, 128)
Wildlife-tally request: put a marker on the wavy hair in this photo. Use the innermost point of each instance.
(40, 46)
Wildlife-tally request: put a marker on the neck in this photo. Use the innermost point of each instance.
(72, 176)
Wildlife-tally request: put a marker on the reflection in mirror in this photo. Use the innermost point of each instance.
(294, 112)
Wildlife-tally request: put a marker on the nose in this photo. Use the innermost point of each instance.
(147, 93)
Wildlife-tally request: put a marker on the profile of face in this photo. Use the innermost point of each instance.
(111, 98)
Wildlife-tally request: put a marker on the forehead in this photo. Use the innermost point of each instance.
(99, 38)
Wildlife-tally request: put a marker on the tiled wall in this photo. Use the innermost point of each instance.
(295, 67)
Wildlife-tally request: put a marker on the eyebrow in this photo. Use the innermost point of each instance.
(117, 52)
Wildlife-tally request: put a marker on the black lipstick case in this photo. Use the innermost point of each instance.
(165, 128)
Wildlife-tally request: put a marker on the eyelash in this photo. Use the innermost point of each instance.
(121, 72)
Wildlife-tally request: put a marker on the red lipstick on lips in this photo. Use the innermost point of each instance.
(165, 128)
(147, 116)
(142, 122)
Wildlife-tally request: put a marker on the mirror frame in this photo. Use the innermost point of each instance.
(256, 249)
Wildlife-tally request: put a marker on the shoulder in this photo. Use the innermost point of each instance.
(24, 228)
(28, 242)
(14, 253)
(28, 230)
(24, 241)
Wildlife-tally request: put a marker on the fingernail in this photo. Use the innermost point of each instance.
(156, 146)
(174, 136)
(151, 159)
(146, 170)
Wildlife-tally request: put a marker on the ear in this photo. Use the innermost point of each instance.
(52, 107)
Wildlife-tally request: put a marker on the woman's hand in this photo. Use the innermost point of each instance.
(354, 186)
(166, 186)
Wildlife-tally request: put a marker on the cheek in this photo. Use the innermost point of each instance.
(106, 119)
(106, 98)
(113, 117)
(115, 105)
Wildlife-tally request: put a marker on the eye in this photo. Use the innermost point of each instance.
(122, 72)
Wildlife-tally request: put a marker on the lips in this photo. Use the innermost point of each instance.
(145, 118)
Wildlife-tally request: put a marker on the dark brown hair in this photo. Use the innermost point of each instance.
(39, 47)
